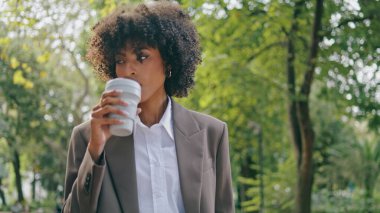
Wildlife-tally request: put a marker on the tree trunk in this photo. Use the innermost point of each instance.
(247, 172)
(299, 113)
(368, 196)
(2, 194)
(261, 166)
(34, 186)
(305, 169)
(16, 167)
(292, 107)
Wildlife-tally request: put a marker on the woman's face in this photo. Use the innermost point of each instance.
(144, 65)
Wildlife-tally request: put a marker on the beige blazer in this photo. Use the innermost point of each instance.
(203, 162)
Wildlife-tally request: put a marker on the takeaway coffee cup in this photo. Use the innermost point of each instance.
(130, 93)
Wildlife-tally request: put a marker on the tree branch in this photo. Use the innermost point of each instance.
(344, 22)
(80, 100)
(355, 19)
(314, 47)
(290, 68)
(277, 85)
(267, 47)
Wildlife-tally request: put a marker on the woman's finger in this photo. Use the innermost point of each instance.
(95, 108)
(105, 121)
(111, 93)
(112, 101)
(103, 111)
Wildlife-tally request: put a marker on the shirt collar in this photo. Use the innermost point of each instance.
(166, 120)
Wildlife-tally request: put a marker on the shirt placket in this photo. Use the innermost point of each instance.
(156, 165)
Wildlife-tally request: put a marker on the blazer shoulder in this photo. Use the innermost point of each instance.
(82, 131)
(205, 118)
(206, 121)
(191, 117)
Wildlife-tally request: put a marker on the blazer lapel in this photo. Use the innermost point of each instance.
(189, 146)
(121, 163)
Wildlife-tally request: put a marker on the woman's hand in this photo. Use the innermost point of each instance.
(100, 121)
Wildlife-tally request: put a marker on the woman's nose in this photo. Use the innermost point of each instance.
(127, 70)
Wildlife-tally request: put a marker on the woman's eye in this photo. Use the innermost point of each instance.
(141, 58)
(120, 62)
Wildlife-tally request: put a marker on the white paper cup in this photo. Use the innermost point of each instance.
(131, 93)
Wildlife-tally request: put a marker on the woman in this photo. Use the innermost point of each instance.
(176, 160)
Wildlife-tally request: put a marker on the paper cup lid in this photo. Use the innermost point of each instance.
(123, 81)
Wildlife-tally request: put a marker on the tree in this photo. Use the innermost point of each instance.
(41, 99)
(257, 41)
(234, 88)
(299, 112)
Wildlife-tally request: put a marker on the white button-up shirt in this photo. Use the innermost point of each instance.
(158, 183)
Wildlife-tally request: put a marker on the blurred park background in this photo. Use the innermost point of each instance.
(297, 81)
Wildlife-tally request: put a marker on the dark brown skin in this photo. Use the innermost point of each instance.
(147, 68)
(155, 44)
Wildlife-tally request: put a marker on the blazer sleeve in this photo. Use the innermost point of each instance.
(83, 178)
(224, 193)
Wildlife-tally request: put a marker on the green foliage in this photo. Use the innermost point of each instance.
(347, 164)
(243, 79)
(38, 105)
(30, 114)
(279, 191)
(347, 200)
(350, 60)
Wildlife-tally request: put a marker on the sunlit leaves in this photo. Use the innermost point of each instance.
(43, 58)
(19, 79)
(4, 42)
(43, 74)
(14, 63)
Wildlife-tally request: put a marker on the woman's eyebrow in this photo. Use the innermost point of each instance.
(121, 53)
(136, 50)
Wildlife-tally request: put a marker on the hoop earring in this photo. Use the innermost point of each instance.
(170, 72)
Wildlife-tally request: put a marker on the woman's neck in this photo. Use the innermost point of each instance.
(153, 109)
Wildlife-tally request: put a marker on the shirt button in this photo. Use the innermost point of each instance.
(154, 163)
(157, 194)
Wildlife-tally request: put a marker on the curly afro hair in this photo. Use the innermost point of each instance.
(162, 25)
